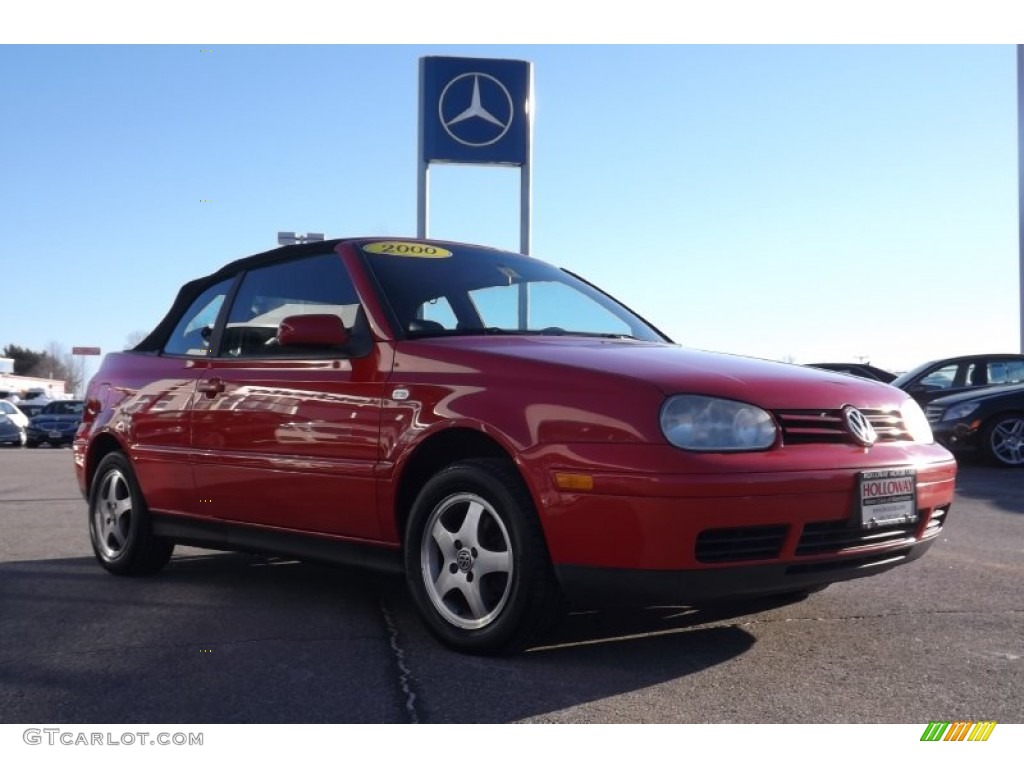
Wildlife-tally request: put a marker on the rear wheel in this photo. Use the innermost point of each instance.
(120, 526)
(1002, 440)
(476, 561)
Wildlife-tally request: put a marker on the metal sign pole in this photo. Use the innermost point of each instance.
(422, 164)
(422, 203)
(525, 175)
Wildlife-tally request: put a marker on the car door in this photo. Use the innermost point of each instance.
(152, 411)
(943, 379)
(289, 437)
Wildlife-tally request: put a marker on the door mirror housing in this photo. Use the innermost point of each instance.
(312, 331)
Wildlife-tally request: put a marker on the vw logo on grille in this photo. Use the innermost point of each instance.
(464, 559)
(859, 427)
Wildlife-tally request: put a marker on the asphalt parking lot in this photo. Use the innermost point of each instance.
(222, 638)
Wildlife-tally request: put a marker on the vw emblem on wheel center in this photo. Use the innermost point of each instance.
(475, 109)
(464, 560)
(859, 427)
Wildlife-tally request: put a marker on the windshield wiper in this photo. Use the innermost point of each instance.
(591, 334)
(481, 331)
(493, 330)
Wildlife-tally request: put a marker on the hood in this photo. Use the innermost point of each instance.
(55, 418)
(981, 394)
(675, 370)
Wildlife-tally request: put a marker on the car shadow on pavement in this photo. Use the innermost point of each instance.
(1001, 486)
(231, 637)
(599, 659)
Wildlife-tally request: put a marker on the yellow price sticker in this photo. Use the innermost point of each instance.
(415, 250)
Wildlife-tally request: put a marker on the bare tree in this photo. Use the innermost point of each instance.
(57, 363)
(132, 339)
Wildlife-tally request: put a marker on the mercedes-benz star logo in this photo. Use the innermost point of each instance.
(859, 427)
(475, 109)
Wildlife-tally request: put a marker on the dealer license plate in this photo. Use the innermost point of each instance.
(887, 497)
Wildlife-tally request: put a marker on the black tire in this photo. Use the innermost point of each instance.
(31, 444)
(1002, 440)
(120, 527)
(490, 589)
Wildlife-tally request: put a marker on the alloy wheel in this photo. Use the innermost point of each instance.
(113, 515)
(466, 561)
(1006, 441)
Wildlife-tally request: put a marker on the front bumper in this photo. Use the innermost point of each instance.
(692, 538)
(591, 587)
(958, 435)
(55, 435)
(11, 433)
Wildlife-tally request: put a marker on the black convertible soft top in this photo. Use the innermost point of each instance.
(156, 340)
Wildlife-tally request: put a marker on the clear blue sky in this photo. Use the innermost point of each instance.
(809, 202)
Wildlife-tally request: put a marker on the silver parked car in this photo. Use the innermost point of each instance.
(13, 424)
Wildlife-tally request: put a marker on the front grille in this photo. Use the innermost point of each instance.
(726, 545)
(826, 426)
(823, 538)
(934, 413)
(936, 521)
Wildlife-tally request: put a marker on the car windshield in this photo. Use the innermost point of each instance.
(64, 408)
(903, 378)
(456, 290)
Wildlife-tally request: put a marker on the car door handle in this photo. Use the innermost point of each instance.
(210, 387)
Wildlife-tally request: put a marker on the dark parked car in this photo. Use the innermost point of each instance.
(56, 424)
(500, 431)
(988, 420)
(960, 374)
(864, 370)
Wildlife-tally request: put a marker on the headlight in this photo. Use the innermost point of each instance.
(700, 423)
(916, 422)
(960, 411)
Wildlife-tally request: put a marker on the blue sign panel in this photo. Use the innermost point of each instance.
(474, 110)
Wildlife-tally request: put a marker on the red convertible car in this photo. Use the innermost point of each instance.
(504, 433)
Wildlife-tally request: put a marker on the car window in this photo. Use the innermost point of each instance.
(64, 408)
(194, 331)
(1006, 372)
(316, 285)
(942, 378)
(7, 407)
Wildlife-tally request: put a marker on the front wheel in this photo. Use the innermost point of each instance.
(120, 527)
(1002, 440)
(476, 561)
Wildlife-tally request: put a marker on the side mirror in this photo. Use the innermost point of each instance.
(312, 331)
